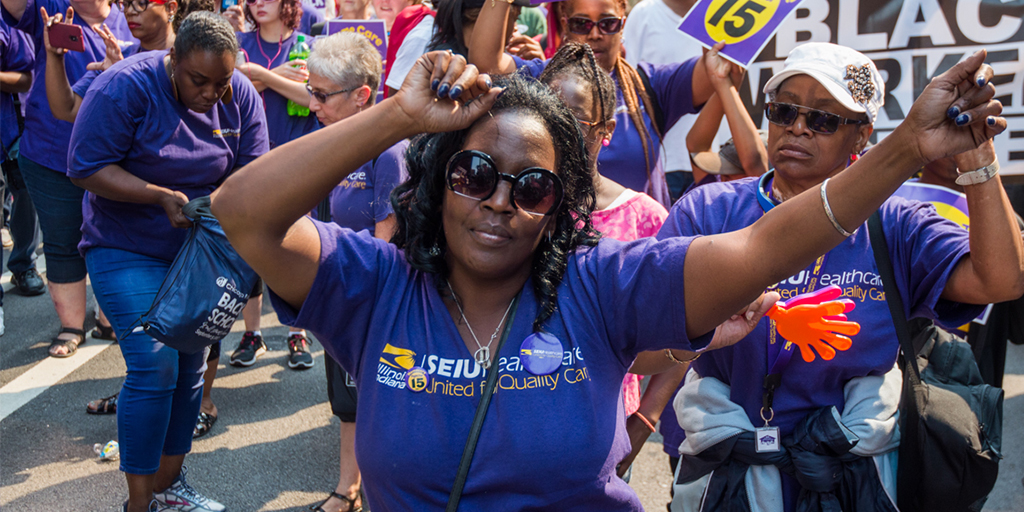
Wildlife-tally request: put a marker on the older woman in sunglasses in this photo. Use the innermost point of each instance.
(344, 73)
(821, 108)
(496, 272)
(650, 99)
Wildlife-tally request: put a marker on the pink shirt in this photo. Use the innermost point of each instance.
(633, 215)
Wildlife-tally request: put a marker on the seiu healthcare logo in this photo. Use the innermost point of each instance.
(226, 132)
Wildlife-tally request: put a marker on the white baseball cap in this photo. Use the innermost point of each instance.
(850, 76)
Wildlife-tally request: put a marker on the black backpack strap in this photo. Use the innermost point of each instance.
(892, 295)
(658, 116)
(478, 419)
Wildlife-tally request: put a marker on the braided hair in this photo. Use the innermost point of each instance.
(417, 201)
(632, 88)
(577, 60)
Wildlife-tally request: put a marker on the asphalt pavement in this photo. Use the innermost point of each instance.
(275, 445)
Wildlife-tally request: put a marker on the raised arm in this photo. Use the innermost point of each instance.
(724, 76)
(724, 272)
(63, 101)
(487, 48)
(262, 209)
(994, 269)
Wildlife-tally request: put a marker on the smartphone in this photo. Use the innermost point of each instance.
(68, 36)
(226, 4)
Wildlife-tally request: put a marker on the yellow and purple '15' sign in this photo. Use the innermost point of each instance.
(744, 25)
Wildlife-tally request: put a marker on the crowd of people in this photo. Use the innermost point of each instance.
(629, 260)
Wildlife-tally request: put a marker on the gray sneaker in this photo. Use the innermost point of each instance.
(181, 496)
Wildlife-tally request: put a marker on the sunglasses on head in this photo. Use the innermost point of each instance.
(582, 26)
(473, 174)
(818, 121)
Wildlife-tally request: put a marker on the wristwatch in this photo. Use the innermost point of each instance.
(980, 175)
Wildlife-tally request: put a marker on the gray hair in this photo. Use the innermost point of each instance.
(207, 31)
(347, 59)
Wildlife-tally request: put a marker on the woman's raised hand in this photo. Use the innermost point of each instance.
(721, 71)
(956, 112)
(50, 20)
(444, 93)
(113, 51)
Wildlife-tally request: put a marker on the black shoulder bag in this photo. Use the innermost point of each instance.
(478, 419)
(950, 420)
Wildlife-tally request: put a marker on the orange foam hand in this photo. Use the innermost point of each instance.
(816, 320)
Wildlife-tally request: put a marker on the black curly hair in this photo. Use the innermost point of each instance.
(417, 201)
(186, 7)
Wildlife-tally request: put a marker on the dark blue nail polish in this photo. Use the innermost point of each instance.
(442, 91)
(981, 81)
(991, 121)
(488, 82)
(953, 112)
(434, 84)
(500, 94)
(456, 92)
(963, 119)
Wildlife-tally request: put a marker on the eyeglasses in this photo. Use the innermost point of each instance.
(322, 96)
(587, 127)
(253, 2)
(818, 121)
(582, 26)
(473, 174)
(139, 6)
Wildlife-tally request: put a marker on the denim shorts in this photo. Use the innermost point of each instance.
(58, 204)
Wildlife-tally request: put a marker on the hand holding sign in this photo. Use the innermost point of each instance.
(745, 25)
(816, 320)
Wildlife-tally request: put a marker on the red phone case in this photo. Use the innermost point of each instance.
(66, 35)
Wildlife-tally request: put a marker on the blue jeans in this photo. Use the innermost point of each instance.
(160, 399)
(23, 222)
(58, 204)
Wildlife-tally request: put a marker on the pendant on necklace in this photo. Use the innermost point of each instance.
(483, 357)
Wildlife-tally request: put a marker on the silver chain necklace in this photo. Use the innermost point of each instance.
(482, 355)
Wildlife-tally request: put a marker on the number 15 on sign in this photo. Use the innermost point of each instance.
(745, 25)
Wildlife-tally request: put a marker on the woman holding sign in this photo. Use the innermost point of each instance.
(176, 123)
(650, 99)
(495, 244)
(821, 108)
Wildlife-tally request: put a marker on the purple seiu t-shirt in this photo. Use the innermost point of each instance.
(924, 247)
(623, 160)
(364, 197)
(82, 85)
(152, 135)
(46, 140)
(312, 13)
(550, 442)
(17, 53)
(282, 127)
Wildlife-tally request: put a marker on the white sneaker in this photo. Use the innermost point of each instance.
(2, 328)
(182, 497)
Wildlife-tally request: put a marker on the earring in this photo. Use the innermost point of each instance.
(171, 18)
(606, 142)
(549, 237)
(435, 251)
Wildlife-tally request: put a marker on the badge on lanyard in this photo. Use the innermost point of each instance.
(541, 353)
(766, 439)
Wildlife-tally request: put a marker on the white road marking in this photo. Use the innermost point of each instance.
(42, 376)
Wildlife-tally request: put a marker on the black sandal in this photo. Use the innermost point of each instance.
(104, 332)
(351, 503)
(203, 425)
(71, 345)
(106, 405)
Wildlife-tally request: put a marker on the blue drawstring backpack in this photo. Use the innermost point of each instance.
(205, 289)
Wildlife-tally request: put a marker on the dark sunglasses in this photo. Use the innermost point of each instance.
(582, 26)
(139, 6)
(322, 96)
(473, 174)
(784, 114)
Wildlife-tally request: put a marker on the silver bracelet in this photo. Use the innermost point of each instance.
(828, 210)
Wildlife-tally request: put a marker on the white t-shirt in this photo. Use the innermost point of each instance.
(652, 35)
(414, 45)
